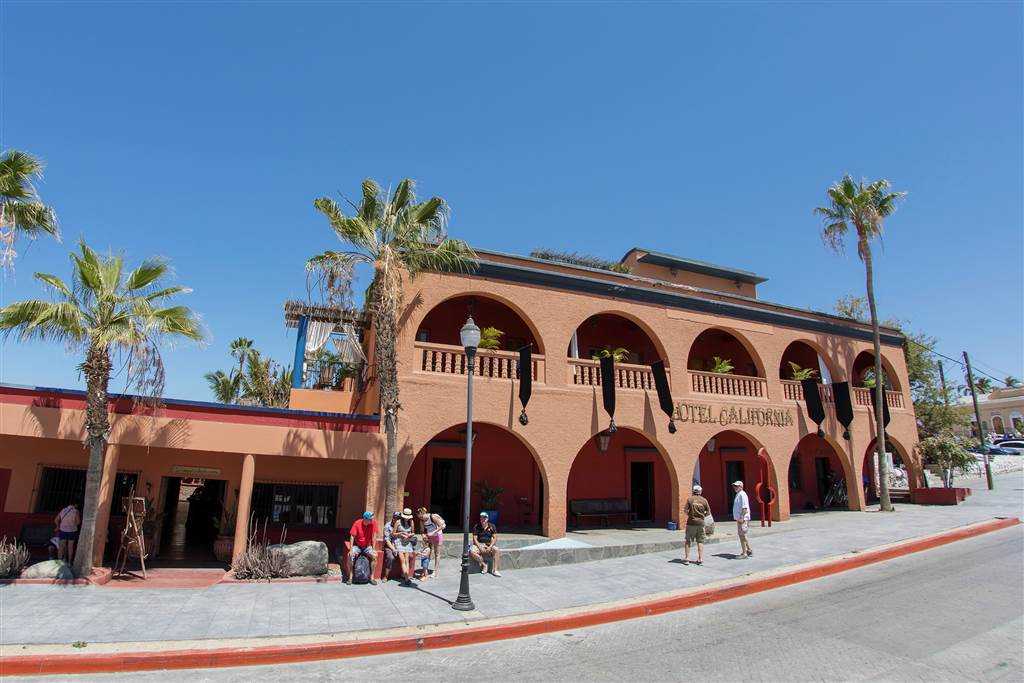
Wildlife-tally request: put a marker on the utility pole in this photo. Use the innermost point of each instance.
(977, 416)
(942, 378)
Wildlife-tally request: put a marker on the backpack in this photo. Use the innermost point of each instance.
(361, 570)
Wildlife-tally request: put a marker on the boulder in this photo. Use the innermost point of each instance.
(305, 558)
(50, 569)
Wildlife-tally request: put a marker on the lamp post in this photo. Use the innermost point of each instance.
(470, 335)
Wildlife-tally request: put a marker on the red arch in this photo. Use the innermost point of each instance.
(733, 446)
(652, 337)
(453, 326)
(740, 339)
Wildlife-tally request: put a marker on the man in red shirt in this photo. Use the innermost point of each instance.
(361, 538)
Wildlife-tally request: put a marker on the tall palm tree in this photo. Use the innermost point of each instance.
(240, 349)
(108, 315)
(225, 387)
(264, 382)
(396, 235)
(859, 208)
(21, 210)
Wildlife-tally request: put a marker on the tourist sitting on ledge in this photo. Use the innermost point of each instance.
(361, 537)
(485, 544)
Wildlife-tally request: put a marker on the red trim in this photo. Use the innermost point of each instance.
(61, 400)
(470, 634)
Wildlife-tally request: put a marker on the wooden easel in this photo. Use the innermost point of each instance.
(133, 542)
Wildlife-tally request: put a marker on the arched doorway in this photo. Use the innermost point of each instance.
(500, 460)
(864, 372)
(899, 472)
(799, 359)
(818, 476)
(443, 323)
(716, 343)
(625, 467)
(727, 457)
(997, 425)
(611, 331)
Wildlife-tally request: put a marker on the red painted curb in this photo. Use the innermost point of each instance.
(285, 654)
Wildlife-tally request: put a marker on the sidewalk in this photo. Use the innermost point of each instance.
(55, 614)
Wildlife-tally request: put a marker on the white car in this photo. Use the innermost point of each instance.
(1015, 446)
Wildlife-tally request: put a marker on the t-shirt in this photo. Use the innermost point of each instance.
(484, 532)
(69, 519)
(738, 504)
(697, 509)
(362, 534)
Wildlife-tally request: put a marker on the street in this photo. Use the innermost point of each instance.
(952, 613)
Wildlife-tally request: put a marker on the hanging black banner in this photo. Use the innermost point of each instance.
(844, 406)
(664, 395)
(525, 380)
(608, 389)
(812, 399)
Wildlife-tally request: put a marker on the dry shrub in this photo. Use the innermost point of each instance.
(13, 558)
(259, 562)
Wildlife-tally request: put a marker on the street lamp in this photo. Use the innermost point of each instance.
(470, 335)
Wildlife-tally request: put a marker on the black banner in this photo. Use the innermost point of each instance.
(664, 395)
(812, 399)
(608, 388)
(525, 380)
(844, 406)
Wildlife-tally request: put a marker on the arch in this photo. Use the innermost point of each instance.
(734, 456)
(725, 343)
(997, 424)
(501, 457)
(806, 353)
(444, 320)
(900, 458)
(615, 323)
(634, 461)
(864, 362)
(1017, 422)
(814, 465)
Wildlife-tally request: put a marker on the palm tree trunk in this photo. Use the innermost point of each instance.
(387, 381)
(97, 425)
(883, 469)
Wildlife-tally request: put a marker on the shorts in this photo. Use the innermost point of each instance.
(742, 527)
(437, 538)
(694, 533)
(67, 535)
(357, 551)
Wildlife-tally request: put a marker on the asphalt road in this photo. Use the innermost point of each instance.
(953, 613)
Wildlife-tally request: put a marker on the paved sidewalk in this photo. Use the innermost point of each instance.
(56, 614)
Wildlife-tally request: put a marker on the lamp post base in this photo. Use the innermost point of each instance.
(464, 603)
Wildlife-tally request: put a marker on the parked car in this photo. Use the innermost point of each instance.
(1015, 446)
(992, 450)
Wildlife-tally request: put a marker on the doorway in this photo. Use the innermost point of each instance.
(192, 511)
(446, 481)
(641, 490)
(733, 472)
(823, 478)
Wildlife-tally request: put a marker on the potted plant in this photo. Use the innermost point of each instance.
(489, 499)
(224, 546)
(618, 355)
(490, 338)
(798, 373)
(721, 366)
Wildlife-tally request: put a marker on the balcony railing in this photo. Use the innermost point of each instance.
(728, 385)
(451, 360)
(794, 391)
(587, 373)
(862, 397)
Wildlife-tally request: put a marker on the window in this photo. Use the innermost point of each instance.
(295, 504)
(62, 485)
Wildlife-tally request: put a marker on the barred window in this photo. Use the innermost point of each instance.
(295, 504)
(60, 486)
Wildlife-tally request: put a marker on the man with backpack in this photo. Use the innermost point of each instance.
(697, 510)
(362, 536)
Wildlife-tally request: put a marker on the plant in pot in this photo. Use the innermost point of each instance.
(489, 499)
(799, 374)
(721, 366)
(490, 338)
(224, 546)
(619, 354)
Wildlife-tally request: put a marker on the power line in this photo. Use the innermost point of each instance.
(957, 361)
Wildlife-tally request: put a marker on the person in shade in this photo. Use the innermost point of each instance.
(403, 536)
(741, 513)
(696, 509)
(390, 551)
(485, 545)
(67, 522)
(361, 538)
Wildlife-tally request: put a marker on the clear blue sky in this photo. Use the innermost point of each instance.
(202, 132)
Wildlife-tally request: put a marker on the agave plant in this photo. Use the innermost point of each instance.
(799, 374)
(617, 354)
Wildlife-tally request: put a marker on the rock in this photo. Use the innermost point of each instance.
(305, 558)
(50, 569)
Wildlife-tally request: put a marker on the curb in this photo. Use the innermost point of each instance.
(99, 577)
(467, 633)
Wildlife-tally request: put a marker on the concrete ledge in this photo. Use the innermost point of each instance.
(126, 657)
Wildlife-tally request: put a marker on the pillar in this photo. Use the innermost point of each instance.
(556, 488)
(108, 479)
(244, 505)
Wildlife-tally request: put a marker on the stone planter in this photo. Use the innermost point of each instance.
(223, 547)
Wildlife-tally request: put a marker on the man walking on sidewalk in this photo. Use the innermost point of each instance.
(741, 513)
(697, 509)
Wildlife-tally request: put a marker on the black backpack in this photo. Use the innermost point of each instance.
(361, 570)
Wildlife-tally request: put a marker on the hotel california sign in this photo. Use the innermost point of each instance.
(699, 413)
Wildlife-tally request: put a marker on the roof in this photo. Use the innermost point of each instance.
(657, 258)
(293, 310)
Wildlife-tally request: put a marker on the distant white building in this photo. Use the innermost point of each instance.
(1002, 411)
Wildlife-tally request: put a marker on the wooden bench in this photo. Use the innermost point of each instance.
(604, 508)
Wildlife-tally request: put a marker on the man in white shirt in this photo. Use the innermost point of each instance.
(741, 513)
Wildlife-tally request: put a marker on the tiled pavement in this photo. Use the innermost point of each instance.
(64, 614)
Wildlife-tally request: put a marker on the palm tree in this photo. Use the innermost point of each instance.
(264, 383)
(861, 208)
(398, 236)
(983, 385)
(240, 349)
(225, 387)
(1011, 382)
(107, 315)
(21, 211)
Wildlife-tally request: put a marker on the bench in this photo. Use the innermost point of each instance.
(604, 508)
(36, 537)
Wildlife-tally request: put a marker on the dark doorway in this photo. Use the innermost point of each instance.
(192, 511)
(823, 477)
(733, 472)
(641, 490)
(540, 502)
(446, 480)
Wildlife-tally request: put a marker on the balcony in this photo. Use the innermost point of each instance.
(862, 397)
(446, 359)
(794, 391)
(587, 373)
(728, 384)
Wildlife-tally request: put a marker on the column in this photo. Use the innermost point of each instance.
(108, 479)
(244, 506)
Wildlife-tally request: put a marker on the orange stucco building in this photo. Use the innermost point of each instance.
(315, 466)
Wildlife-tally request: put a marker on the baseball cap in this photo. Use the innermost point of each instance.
(697, 488)
(737, 483)
(367, 515)
(484, 515)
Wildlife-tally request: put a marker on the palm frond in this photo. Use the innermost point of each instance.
(148, 272)
(56, 284)
(31, 218)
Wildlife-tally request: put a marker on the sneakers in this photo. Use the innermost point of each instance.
(496, 573)
(373, 582)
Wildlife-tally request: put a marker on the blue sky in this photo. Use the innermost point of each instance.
(202, 132)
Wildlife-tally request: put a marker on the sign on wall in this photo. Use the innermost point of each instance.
(702, 413)
(195, 472)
